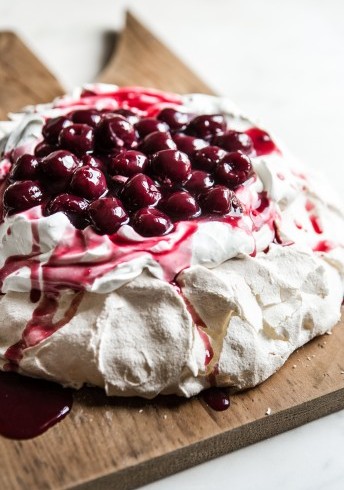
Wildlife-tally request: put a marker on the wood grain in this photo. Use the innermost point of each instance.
(141, 59)
(112, 443)
(23, 78)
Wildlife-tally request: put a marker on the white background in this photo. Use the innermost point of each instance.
(282, 61)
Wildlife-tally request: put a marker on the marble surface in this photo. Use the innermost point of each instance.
(282, 61)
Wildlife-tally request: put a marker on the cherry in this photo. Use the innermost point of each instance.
(262, 141)
(128, 163)
(89, 182)
(23, 195)
(74, 207)
(199, 182)
(208, 158)
(130, 116)
(25, 168)
(91, 117)
(44, 149)
(78, 138)
(180, 205)
(189, 144)
(175, 119)
(53, 127)
(151, 222)
(107, 215)
(157, 141)
(219, 200)
(207, 126)
(115, 132)
(171, 166)
(92, 161)
(58, 168)
(234, 169)
(234, 141)
(150, 125)
(139, 192)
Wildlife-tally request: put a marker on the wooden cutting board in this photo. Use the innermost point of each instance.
(124, 443)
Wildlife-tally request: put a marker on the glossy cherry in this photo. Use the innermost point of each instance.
(89, 182)
(188, 144)
(129, 115)
(157, 141)
(95, 162)
(23, 195)
(107, 215)
(199, 181)
(74, 207)
(44, 149)
(171, 167)
(234, 169)
(58, 168)
(180, 205)
(150, 125)
(139, 192)
(128, 163)
(78, 138)
(52, 128)
(151, 222)
(207, 158)
(219, 200)
(91, 117)
(25, 168)
(176, 120)
(234, 141)
(207, 126)
(115, 132)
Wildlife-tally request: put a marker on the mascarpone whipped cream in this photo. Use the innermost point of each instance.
(214, 301)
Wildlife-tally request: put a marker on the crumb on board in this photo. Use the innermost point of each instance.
(268, 411)
(165, 417)
(294, 366)
(141, 410)
(328, 332)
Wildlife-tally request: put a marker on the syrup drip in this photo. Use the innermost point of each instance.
(216, 398)
(29, 407)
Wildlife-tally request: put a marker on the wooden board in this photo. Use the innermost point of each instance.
(124, 443)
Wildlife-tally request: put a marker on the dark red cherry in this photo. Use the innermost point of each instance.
(89, 182)
(107, 215)
(234, 141)
(207, 158)
(25, 168)
(180, 205)
(115, 132)
(53, 127)
(151, 222)
(128, 163)
(157, 141)
(234, 169)
(78, 138)
(74, 207)
(130, 116)
(58, 168)
(219, 200)
(150, 125)
(92, 161)
(188, 144)
(207, 126)
(23, 195)
(43, 149)
(91, 117)
(139, 192)
(199, 182)
(171, 167)
(175, 119)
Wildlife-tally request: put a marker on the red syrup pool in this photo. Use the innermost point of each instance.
(29, 407)
(216, 398)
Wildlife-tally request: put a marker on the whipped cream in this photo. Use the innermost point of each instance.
(237, 307)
